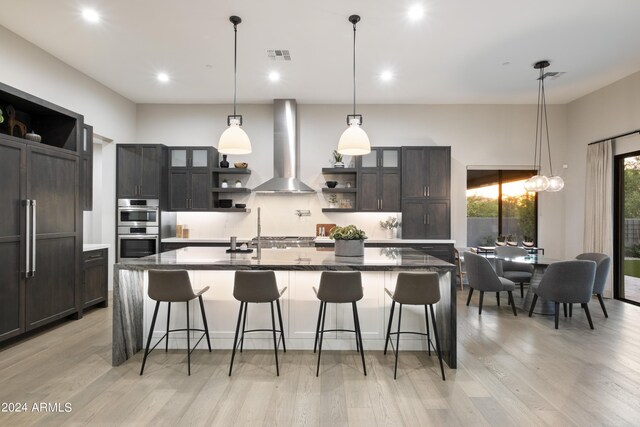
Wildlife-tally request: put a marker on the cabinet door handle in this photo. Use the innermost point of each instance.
(424, 191)
(33, 238)
(27, 265)
(428, 191)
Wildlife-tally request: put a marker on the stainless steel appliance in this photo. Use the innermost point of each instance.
(137, 242)
(283, 242)
(138, 213)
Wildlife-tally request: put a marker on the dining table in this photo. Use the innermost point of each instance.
(540, 264)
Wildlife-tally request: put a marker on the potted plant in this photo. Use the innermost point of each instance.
(333, 201)
(391, 225)
(512, 240)
(337, 160)
(501, 240)
(349, 240)
(527, 241)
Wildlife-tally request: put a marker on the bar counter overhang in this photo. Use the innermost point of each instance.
(297, 268)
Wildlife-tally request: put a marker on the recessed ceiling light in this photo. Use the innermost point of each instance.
(90, 15)
(416, 12)
(274, 76)
(386, 76)
(163, 77)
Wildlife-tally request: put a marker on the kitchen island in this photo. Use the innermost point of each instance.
(299, 270)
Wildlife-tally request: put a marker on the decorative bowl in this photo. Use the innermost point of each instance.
(241, 165)
(31, 136)
(225, 203)
(331, 184)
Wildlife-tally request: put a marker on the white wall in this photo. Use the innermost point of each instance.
(32, 70)
(612, 110)
(500, 135)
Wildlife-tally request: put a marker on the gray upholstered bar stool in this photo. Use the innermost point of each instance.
(174, 286)
(340, 288)
(257, 287)
(415, 289)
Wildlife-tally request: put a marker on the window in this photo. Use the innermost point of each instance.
(499, 208)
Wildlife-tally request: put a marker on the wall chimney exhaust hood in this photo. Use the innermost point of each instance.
(286, 156)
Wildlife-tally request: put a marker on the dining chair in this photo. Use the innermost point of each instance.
(567, 282)
(517, 272)
(603, 263)
(482, 276)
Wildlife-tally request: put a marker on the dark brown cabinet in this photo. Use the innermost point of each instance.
(190, 181)
(379, 180)
(426, 172)
(140, 171)
(426, 181)
(95, 278)
(41, 215)
(426, 219)
(86, 168)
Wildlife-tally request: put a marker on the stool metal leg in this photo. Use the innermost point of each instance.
(435, 335)
(324, 314)
(359, 335)
(235, 339)
(204, 321)
(395, 369)
(153, 324)
(284, 346)
(244, 322)
(166, 342)
(355, 329)
(315, 344)
(426, 316)
(386, 341)
(275, 342)
(188, 342)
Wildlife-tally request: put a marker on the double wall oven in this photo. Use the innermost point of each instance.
(138, 228)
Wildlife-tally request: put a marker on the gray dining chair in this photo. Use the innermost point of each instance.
(517, 272)
(567, 282)
(603, 263)
(482, 276)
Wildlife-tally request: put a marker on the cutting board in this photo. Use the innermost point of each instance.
(327, 229)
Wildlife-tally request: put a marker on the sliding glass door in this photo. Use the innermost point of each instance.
(627, 227)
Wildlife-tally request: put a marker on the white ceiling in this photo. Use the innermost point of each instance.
(454, 55)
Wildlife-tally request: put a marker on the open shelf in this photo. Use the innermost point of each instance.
(247, 210)
(338, 210)
(340, 190)
(338, 170)
(241, 171)
(231, 190)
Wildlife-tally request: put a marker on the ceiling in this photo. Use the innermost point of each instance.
(462, 52)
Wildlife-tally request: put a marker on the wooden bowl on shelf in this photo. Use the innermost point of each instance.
(241, 165)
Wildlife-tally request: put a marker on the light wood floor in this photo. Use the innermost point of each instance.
(512, 371)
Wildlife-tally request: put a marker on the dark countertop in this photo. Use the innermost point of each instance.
(303, 259)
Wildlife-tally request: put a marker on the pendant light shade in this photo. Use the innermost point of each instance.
(234, 140)
(541, 182)
(354, 140)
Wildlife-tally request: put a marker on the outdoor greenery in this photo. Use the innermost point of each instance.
(520, 207)
(632, 187)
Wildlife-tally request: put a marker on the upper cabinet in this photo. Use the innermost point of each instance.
(190, 178)
(426, 172)
(379, 180)
(140, 171)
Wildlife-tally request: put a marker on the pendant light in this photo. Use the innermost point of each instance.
(540, 182)
(234, 140)
(354, 140)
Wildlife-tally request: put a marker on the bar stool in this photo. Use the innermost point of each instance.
(257, 287)
(174, 286)
(340, 288)
(415, 289)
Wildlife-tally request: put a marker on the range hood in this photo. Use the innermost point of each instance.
(286, 156)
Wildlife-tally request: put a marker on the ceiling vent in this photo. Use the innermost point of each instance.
(279, 54)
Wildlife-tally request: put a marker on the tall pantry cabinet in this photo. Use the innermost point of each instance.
(40, 214)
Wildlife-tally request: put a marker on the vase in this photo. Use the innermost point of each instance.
(338, 165)
(350, 248)
(224, 163)
(391, 233)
